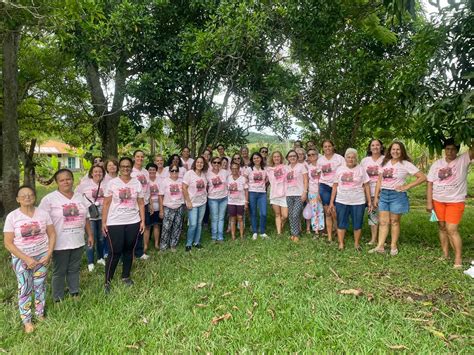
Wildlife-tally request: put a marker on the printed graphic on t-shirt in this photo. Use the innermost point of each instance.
(154, 192)
(373, 172)
(200, 186)
(29, 230)
(142, 179)
(175, 191)
(326, 169)
(347, 178)
(233, 188)
(72, 216)
(125, 196)
(279, 174)
(388, 174)
(99, 196)
(70, 210)
(314, 173)
(217, 183)
(258, 177)
(290, 178)
(446, 174)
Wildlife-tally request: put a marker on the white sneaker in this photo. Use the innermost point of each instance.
(90, 267)
(263, 236)
(255, 236)
(144, 257)
(470, 272)
(101, 262)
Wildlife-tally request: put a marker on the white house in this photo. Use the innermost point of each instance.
(66, 154)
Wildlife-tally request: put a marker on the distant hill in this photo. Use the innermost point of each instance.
(255, 137)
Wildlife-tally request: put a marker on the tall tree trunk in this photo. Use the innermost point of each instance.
(29, 175)
(10, 130)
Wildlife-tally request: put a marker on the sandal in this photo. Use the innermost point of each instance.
(457, 266)
(393, 252)
(376, 250)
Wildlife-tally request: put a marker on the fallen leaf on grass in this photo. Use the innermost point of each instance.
(454, 337)
(217, 319)
(201, 285)
(144, 320)
(201, 305)
(309, 276)
(356, 292)
(397, 347)
(235, 308)
(409, 299)
(272, 313)
(370, 297)
(245, 284)
(133, 346)
(207, 333)
(436, 333)
(226, 294)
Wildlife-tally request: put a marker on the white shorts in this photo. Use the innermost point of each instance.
(279, 201)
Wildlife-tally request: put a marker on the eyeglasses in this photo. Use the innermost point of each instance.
(216, 162)
(97, 160)
(125, 166)
(26, 196)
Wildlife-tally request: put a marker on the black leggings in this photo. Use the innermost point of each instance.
(122, 240)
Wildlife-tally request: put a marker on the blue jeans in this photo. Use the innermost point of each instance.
(96, 226)
(217, 208)
(258, 200)
(195, 217)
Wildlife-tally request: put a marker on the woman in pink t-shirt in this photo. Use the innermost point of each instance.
(123, 220)
(446, 195)
(372, 163)
(390, 194)
(186, 159)
(152, 208)
(350, 195)
(296, 191)
(171, 209)
(238, 199)
(111, 170)
(316, 222)
(244, 154)
(29, 236)
(328, 164)
(257, 180)
(217, 198)
(277, 178)
(195, 196)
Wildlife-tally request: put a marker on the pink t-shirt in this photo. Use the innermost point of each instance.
(237, 189)
(172, 192)
(196, 187)
(107, 178)
(277, 178)
(217, 184)
(328, 168)
(161, 176)
(395, 175)
(90, 189)
(294, 179)
(350, 189)
(257, 179)
(450, 179)
(142, 176)
(313, 177)
(69, 218)
(124, 206)
(153, 188)
(187, 164)
(29, 232)
(372, 167)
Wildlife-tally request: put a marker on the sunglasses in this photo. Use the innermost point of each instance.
(264, 151)
(216, 162)
(173, 171)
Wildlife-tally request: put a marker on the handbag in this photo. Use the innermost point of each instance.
(93, 208)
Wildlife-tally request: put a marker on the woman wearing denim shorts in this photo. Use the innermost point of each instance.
(390, 194)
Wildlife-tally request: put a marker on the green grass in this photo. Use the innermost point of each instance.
(282, 297)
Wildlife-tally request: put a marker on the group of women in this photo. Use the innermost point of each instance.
(120, 204)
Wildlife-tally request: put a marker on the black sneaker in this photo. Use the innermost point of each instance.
(198, 246)
(187, 249)
(107, 288)
(128, 281)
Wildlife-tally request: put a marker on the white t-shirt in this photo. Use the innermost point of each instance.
(124, 206)
(395, 175)
(237, 189)
(277, 178)
(172, 192)
(68, 217)
(450, 179)
(196, 187)
(187, 164)
(257, 179)
(294, 179)
(372, 167)
(90, 189)
(217, 184)
(153, 188)
(29, 232)
(350, 189)
(313, 176)
(328, 168)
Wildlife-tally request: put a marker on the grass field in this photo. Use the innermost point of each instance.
(272, 296)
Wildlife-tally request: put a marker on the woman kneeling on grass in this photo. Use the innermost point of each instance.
(390, 194)
(350, 191)
(171, 209)
(29, 236)
(68, 211)
(123, 220)
(238, 199)
(446, 195)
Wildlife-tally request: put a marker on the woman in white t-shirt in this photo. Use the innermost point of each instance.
(277, 177)
(195, 196)
(446, 196)
(350, 194)
(29, 236)
(123, 220)
(93, 191)
(390, 194)
(141, 174)
(372, 163)
(68, 211)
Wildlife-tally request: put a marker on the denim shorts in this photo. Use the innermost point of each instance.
(152, 219)
(355, 211)
(325, 192)
(394, 202)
